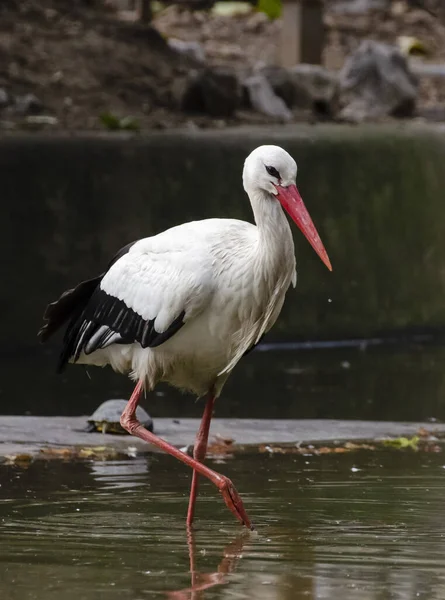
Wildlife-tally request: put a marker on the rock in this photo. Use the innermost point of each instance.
(4, 98)
(257, 22)
(305, 86)
(315, 87)
(376, 82)
(281, 81)
(359, 7)
(422, 69)
(215, 91)
(193, 50)
(263, 98)
(433, 113)
(28, 104)
(106, 417)
(41, 120)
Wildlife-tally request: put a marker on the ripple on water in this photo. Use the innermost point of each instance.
(117, 531)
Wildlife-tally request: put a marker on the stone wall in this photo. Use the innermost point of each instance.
(376, 195)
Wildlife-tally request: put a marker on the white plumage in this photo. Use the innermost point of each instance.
(224, 279)
(217, 273)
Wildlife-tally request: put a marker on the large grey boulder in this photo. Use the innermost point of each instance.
(375, 82)
(264, 100)
(315, 87)
(212, 91)
(280, 81)
(28, 104)
(304, 86)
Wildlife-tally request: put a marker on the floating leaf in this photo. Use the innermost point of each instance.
(57, 452)
(221, 446)
(22, 460)
(97, 451)
(423, 433)
(403, 442)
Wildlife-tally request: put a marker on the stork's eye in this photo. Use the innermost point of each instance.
(272, 171)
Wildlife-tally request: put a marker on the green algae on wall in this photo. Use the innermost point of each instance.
(375, 194)
(379, 202)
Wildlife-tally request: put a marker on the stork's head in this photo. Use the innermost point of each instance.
(272, 170)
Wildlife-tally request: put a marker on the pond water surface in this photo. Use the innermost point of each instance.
(367, 525)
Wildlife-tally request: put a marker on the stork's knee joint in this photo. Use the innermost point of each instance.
(225, 485)
(129, 422)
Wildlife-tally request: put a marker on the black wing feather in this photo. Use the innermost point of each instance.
(97, 319)
(70, 302)
(106, 310)
(73, 301)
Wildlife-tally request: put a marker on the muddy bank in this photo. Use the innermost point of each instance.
(73, 62)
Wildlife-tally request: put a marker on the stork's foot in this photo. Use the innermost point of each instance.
(233, 501)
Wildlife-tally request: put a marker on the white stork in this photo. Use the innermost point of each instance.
(185, 305)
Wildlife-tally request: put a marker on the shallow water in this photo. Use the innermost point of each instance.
(365, 525)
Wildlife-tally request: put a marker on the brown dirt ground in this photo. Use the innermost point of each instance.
(82, 59)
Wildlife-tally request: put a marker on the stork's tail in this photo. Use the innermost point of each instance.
(70, 304)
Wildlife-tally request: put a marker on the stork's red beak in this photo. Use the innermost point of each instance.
(292, 202)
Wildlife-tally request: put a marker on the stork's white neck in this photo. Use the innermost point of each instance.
(271, 221)
(276, 251)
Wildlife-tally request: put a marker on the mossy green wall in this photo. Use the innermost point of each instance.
(376, 195)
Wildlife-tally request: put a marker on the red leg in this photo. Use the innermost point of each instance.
(225, 486)
(199, 453)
